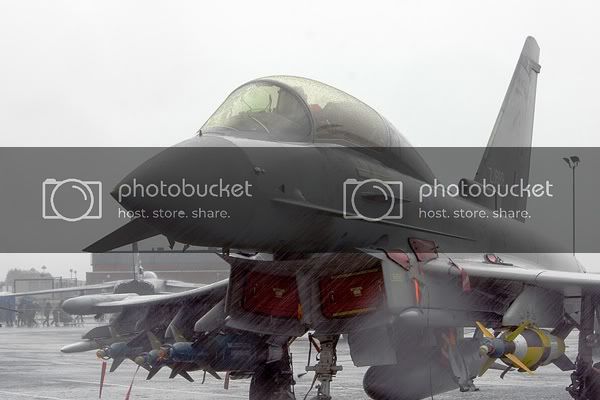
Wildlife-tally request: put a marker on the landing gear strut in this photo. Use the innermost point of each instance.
(273, 381)
(326, 368)
(585, 380)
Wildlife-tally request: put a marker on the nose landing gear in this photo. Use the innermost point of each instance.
(585, 380)
(326, 368)
(273, 380)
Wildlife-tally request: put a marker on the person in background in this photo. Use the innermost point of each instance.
(47, 311)
(55, 317)
(20, 313)
(31, 314)
(12, 303)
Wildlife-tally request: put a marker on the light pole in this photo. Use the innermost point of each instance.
(573, 162)
(71, 272)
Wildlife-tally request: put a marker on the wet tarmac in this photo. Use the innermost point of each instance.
(32, 367)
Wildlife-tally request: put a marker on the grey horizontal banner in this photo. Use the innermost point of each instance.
(299, 199)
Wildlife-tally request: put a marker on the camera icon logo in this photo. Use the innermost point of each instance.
(372, 199)
(71, 199)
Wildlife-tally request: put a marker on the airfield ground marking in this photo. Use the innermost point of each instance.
(32, 396)
(233, 396)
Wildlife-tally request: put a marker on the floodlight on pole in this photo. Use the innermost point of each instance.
(573, 162)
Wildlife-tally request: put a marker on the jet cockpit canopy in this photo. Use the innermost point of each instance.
(297, 109)
(294, 109)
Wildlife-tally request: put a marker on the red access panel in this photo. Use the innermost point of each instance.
(347, 295)
(270, 294)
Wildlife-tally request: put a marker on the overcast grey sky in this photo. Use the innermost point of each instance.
(123, 73)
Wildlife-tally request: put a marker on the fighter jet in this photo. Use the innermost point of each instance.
(146, 282)
(142, 283)
(300, 185)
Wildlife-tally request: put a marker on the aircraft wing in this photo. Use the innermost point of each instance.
(145, 312)
(171, 284)
(555, 280)
(215, 291)
(75, 289)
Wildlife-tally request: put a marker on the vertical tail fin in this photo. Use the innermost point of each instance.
(506, 159)
(514, 124)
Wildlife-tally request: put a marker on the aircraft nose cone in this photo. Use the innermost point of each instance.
(174, 172)
(206, 178)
